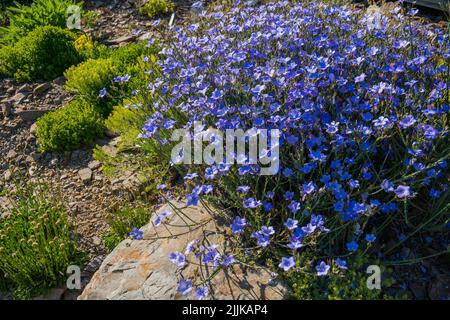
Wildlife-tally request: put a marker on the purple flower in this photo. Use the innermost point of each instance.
(177, 258)
(184, 287)
(370, 237)
(192, 199)
(407, 122)
(322, 269)
(295, 243)
(294, 206)
(291, 224)
(352, 246)
(190, 246)
(287, 263)
(309, 188)
(342, 264)
(258, 89)
(267, 206)
(251, 203)
(243, 189)
(403, 191)
(201, 293)
(102, 93)
(136, 234)
(217, 94)
(332, 127)
(263, 236)
(387, 186)
(238, 224)
(124, 78)
(190, 176)
(429, 132)
(360, 78)
(228, 260)
(160, 217)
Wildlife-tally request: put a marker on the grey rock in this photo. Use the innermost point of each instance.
(8, 175)
(42, 88)
(122, 39)
(18, 98)
(26, 88)
(31, 115)
(85, 175)
(11, 155)
(6, 109)
(94, 165)
(33, 128)
(60, 81)
(140, 269)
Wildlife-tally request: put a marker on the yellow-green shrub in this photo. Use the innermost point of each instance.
(43, 54)
(89, 77)
(72, 126)
(154, 8)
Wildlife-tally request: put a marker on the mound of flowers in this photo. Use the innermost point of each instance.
(361, 102)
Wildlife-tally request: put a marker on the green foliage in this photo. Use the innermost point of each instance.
(24, 19)
(154, 8)
(127, 122)
(122, 221)
(338, 284)
(42, 54)
(88, 78)
(72, 126)
(36, 244)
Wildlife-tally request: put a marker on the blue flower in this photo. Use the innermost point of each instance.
(184, 287)
(287, 263)
(136, 234)
(294, 206)
(251, 203)
(352, 246)
(291, 224)
(102, 93)
(192, 199)
(238, 224)
(267, 206)
(177, 258)
(370, 237)
(403, 191)
(322, 269)
(201, 293)
(407, 122)
(309, 188)
(160, 217)
(342, 264)
(263, 236)
(228, 260)
(243, 189)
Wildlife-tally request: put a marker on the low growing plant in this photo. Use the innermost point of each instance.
(155, 8)
(36, 242)
(122, 221)
(43, 54)
(70, 127)
(24, 18)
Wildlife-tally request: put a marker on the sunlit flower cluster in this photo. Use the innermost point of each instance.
(362, 102)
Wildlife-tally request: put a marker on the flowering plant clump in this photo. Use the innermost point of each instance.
(362, 104)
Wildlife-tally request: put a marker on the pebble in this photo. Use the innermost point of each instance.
(85, 175)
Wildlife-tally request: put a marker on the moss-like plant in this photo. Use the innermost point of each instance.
(42, 54)
(72, 126)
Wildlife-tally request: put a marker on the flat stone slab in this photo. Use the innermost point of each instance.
(141, 270)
